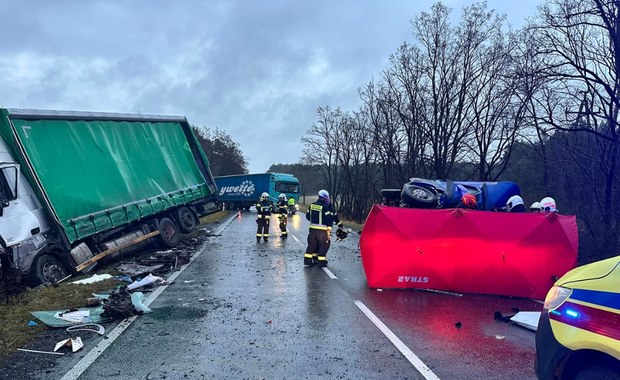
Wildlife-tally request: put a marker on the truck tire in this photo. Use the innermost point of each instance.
(168, 233)
(186, 219)
(47, 269)
(418, 196)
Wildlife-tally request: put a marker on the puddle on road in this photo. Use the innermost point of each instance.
(179, 313)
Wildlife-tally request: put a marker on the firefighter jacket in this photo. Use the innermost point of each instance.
(264, 209)
(322, 216)
(282, 207)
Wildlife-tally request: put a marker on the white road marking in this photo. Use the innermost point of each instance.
(407, 353)
(297, 240)
(94, 353)
(329, 273)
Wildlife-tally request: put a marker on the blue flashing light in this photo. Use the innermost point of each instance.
(572, 313)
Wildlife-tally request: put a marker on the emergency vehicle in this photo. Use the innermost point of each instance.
(578, 335)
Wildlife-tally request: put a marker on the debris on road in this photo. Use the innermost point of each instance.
(527, 319)
(92, 279)
(40, 352)
(135, 270)
(92, 327)
(52, 317)
(148, 280)
(75, 344)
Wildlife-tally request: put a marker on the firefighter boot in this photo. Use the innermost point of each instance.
(322, 261)
(308, 260)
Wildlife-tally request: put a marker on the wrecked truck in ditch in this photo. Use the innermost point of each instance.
(76, 187)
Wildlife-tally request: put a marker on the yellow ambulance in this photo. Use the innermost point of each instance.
(578, 335)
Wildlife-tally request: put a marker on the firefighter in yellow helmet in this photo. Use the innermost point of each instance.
(264, 208)
(322, 217)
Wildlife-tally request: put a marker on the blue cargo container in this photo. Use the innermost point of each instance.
(244, 190)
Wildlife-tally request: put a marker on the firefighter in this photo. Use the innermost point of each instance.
(282, 210)
(291, 205)
(321, 216)
(264, 208)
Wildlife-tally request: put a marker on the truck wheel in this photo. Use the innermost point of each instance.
(46, 269)
(186, 219)
(168, 233)
(418, 196)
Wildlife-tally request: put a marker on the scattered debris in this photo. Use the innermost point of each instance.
(458, 325)
(92, 327)
(527, 319)
(119, 305)
(137, 299)
(32, 323)
(74, 343)
(74, 316)
(40, 352)
(124, 278)
(135, 270)
(148, 280)
(92, 279)
(93, 301)
(500, 337)
(50, 318)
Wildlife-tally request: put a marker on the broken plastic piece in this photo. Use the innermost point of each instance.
(40, 352)
(32, 323)
(148, 280)
(74, 343)
(92, 327)
(94, 278)
(75, 316)
(527, 319)
(137, 300)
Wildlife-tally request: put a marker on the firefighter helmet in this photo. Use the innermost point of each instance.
(323, 194)
(547, 204)
(535, 207)
(514, 201)
(264, 196)
(282, 197)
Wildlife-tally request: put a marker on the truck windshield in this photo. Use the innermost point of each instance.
(8, 183)
(287, 187)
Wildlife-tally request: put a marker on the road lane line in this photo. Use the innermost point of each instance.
(329, 273)
(297, 240)
(81, 366)
(407, 353)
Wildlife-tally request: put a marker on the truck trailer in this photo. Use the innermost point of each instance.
(78, 186)
(240, 192)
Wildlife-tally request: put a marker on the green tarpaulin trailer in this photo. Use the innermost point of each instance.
(95, 182)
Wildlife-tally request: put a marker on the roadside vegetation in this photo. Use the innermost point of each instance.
(477, 100)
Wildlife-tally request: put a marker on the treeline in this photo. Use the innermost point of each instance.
(224, 155)
(479, 101)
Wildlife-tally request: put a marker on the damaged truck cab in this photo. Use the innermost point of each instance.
(79, 186)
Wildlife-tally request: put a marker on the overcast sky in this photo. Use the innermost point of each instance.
(255, 69)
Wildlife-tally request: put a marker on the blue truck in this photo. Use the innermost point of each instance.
(240, 192)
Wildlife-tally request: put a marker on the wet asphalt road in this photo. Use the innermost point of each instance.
(247, 310)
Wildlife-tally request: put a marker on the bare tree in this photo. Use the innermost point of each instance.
(578, 43)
